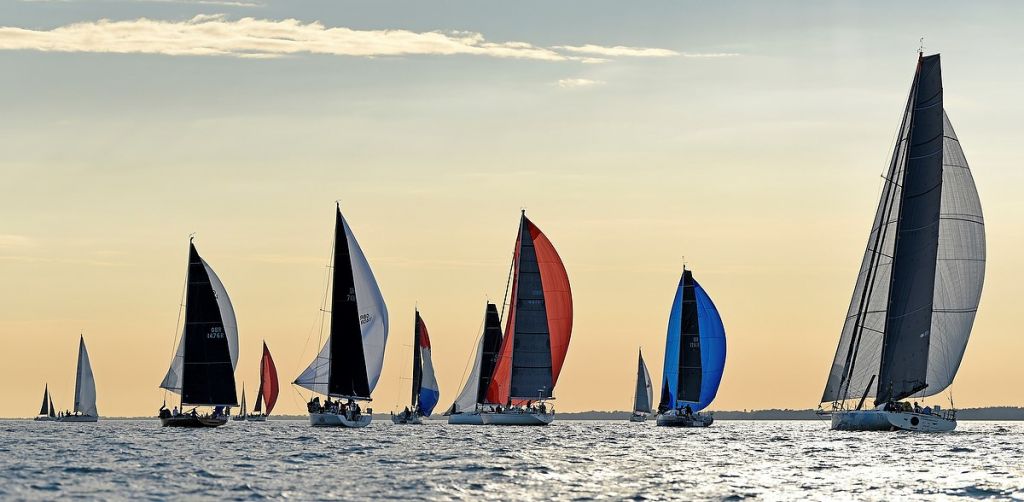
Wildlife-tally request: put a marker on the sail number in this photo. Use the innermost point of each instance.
(215, 332)
(365, 319)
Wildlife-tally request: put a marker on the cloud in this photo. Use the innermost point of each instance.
(11, 241)
(216, 35)
(574, 83)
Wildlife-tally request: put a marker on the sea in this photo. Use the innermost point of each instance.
(568, 460)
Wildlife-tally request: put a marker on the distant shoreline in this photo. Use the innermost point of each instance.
(1005, 413)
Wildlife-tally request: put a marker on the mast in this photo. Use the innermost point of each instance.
(417, 359)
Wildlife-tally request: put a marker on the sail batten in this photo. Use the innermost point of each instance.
(920, 281)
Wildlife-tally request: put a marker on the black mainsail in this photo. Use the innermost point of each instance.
(491, 346)
(46, 400)
(921, 277)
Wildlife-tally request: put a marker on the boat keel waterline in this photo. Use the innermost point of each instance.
(337, 420)
(684, 420)
(881, 420)
(517, 418)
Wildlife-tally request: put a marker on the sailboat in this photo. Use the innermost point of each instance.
(46, 413)
(644, 397)
(425, 392)
(473, 398)
(242, 409)
(349, 364)
(85, 389)
(920, 280)
(202, 371)
(269, 388)
(694, 357)
(537, 332)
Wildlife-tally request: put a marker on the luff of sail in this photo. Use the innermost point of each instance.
(539, 323)
(923, 269)
(46, 400)
(425, 392)
(85, 383)
(350, 362)
(644, 397)
(474, 391)
(269, 385)
(695, 348)
(203, 368)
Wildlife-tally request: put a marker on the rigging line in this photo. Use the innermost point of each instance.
(317, 319)
(181, 307)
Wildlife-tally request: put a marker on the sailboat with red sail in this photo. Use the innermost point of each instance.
(537, 331)
(269, 388)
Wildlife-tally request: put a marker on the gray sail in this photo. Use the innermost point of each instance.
(644, 398)
(921, 277)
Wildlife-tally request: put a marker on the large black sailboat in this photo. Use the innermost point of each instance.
(203, 369)
(920, 280)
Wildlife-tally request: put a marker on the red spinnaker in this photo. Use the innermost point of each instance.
(558, 307)
(268, 379)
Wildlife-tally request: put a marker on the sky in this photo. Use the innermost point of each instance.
(748, 138)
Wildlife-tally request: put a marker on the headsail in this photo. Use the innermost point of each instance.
(488, 345)
(694, 348)
(85, 383)
(644, 397)
(350, 362)
(203, 368)
(921, 278)
(269, 386)
(425, 391)
(539, 323)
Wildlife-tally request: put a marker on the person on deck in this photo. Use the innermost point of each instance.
(917, 409)
(689, 411)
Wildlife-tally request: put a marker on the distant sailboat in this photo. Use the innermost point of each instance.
(644, 397)
(85, 390)
(349, 364)
(202, 371)
(920, 281)
(242, 409)
(425, 392)
(46, 413)
(269, 388)
(537, 332)
(466, 408)
(694, 357)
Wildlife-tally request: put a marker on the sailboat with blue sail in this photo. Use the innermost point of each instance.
(425, 392)
(694, 357)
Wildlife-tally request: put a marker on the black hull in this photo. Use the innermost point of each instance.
(193, 422)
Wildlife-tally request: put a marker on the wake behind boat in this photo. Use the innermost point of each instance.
(694, 357)
(537, 332)
(920, 280)
(349, 364)
(202, 371)
(473, 398)
(425, 392)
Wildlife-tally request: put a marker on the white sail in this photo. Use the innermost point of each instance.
(644, 390)
(471, 389)
(85, 384)
(373, 324)
(172, 379)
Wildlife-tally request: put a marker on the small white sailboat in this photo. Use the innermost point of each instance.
(643, 399)
(242, 410)
(85, 390)
(269, 388)
(537, 333)
(202, 371)
(46, 412)
(920, 280)
(694, 357)
(473, 398)
(349, 364)
(425, 392)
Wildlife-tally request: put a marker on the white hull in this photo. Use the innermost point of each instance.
(335, 420)
(880, 420)
(517, 418)
(256, 418)
(239, 418)
(465, 419)
(638, 418)
(403, 420)
(683, 420)
(78, 419)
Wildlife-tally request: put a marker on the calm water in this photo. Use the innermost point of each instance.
(732, 459)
